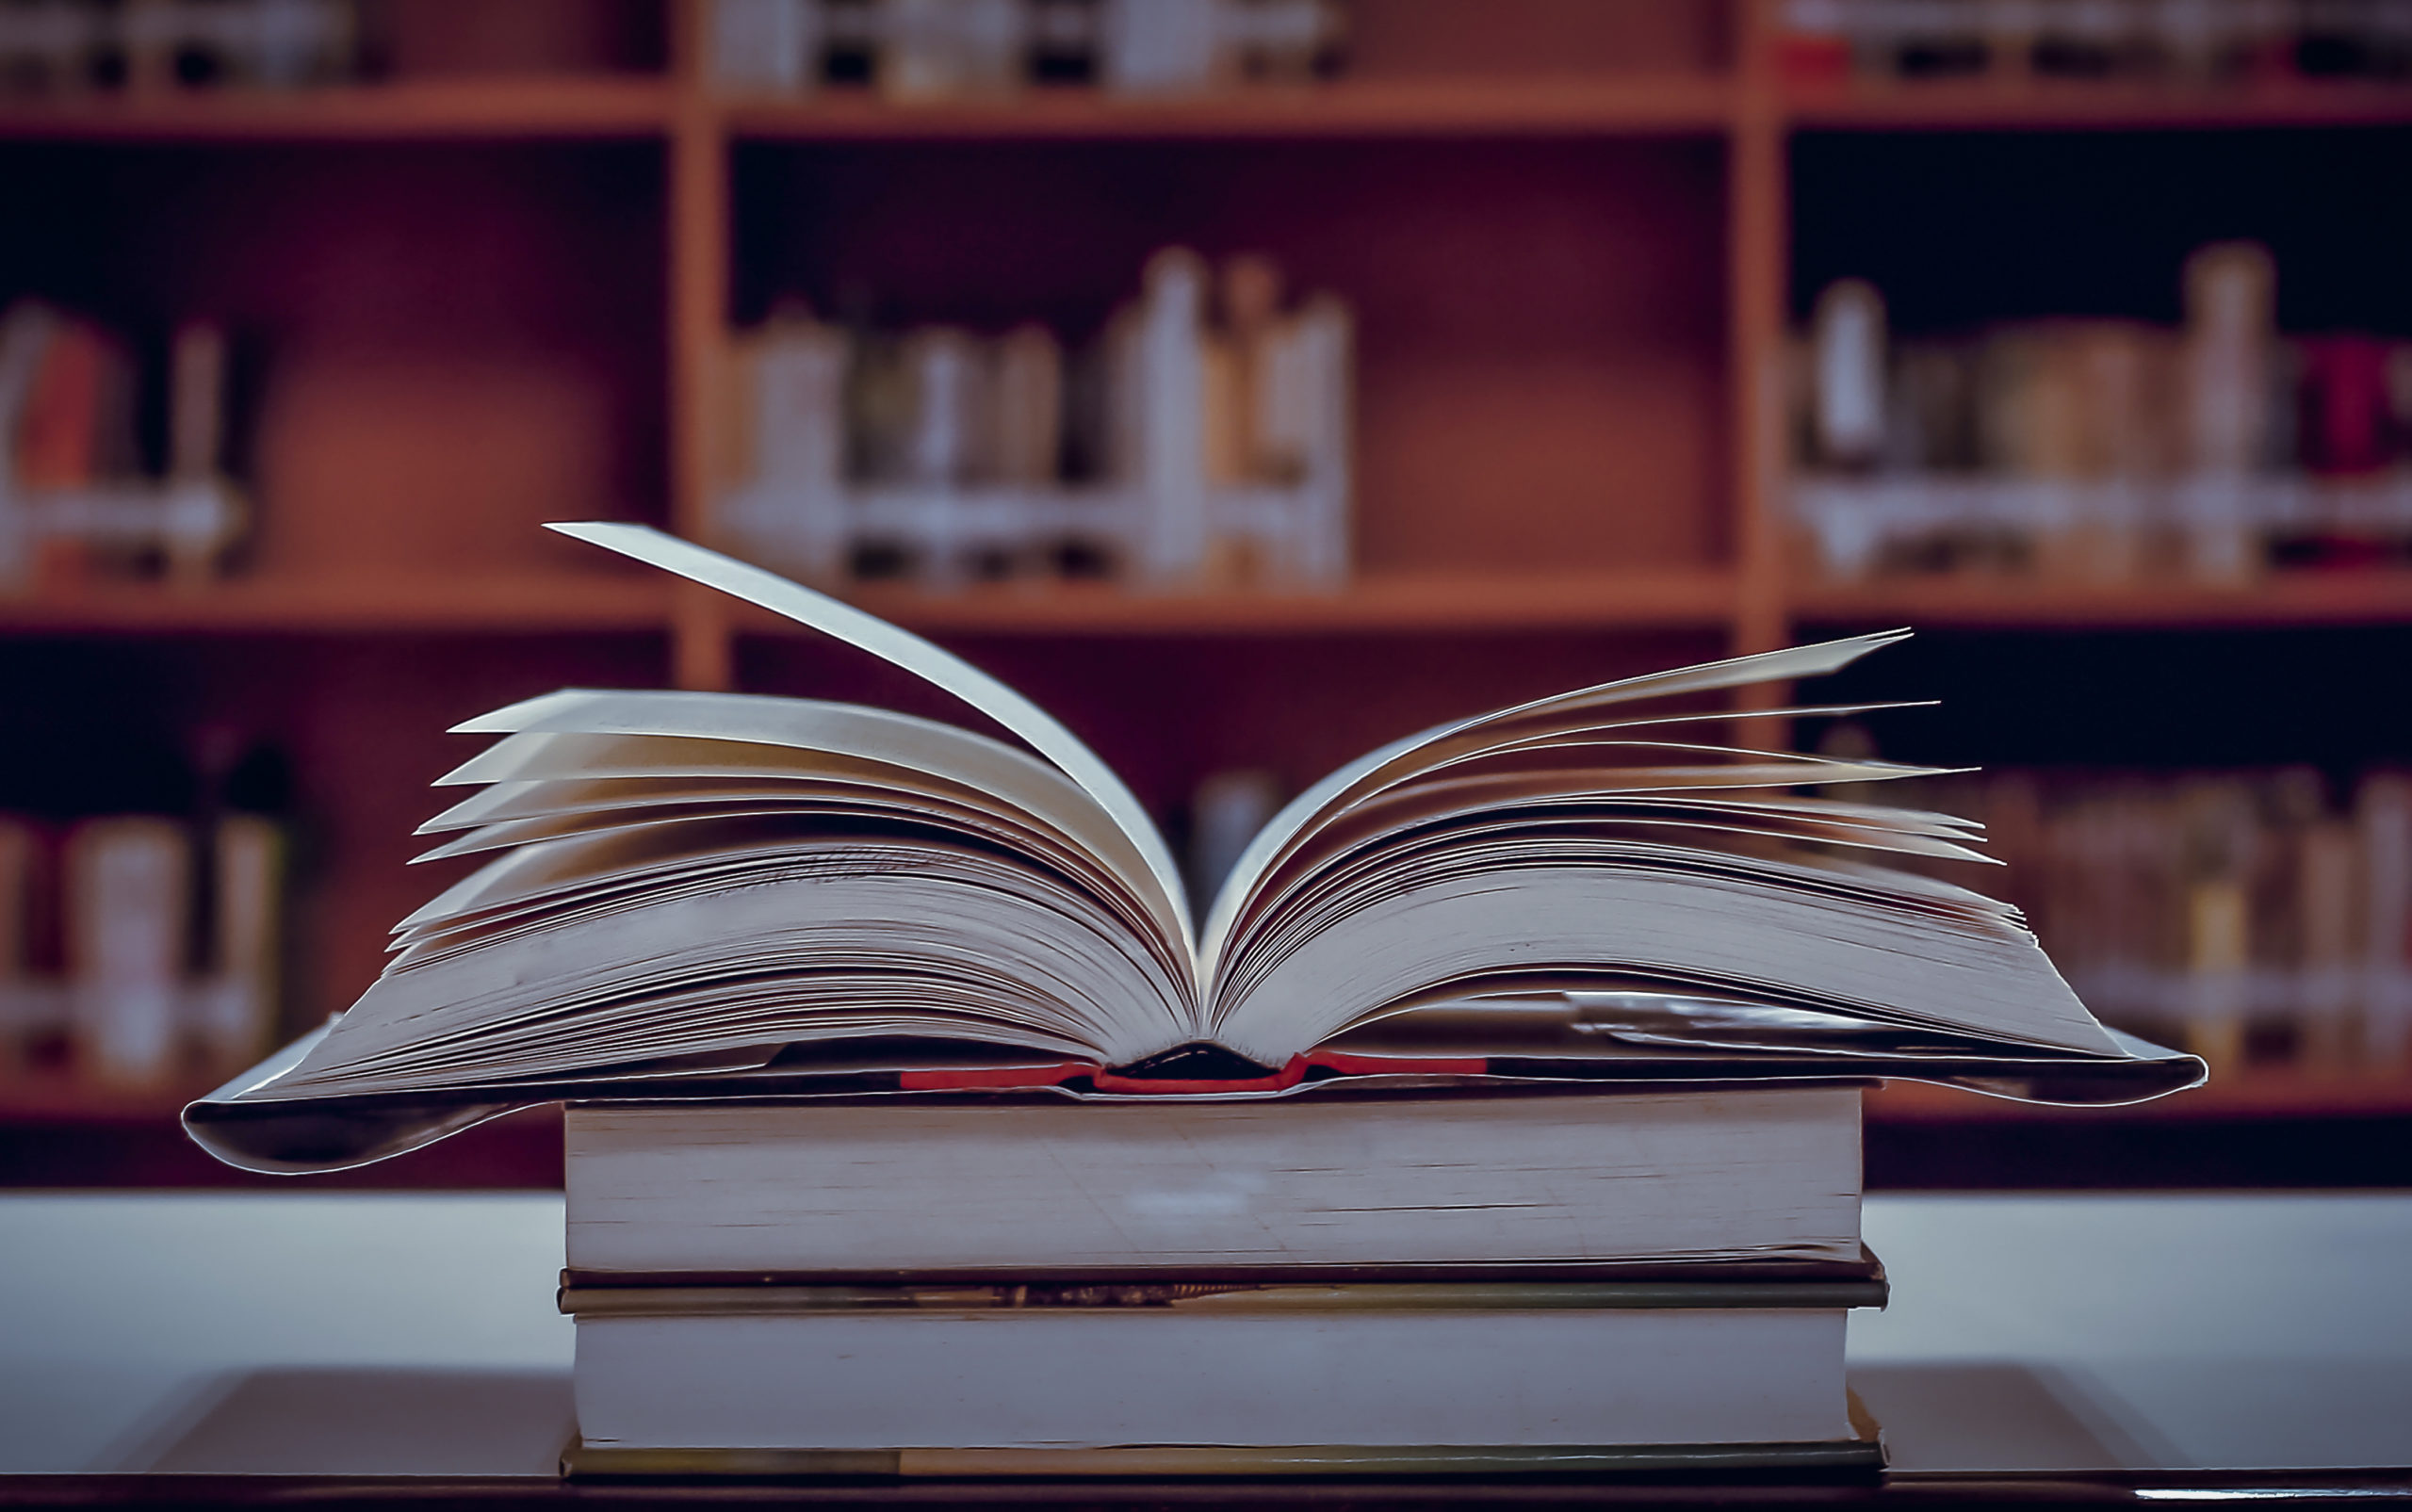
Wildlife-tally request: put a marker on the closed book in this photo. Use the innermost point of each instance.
(1199, 1380)
(1339, 1179)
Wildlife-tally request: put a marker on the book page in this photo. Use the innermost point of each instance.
(961, 763)
(1470, 916)
(941, 669)
(625, 947)
(579, 865)
(582, 850)
(814, 808)
(1513, 795)
(1413, 754)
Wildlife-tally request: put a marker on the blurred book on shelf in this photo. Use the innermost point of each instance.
(2260, 918)
(128, 905)
(1226, 811)
(940, 50)
(1204, 439)
(77, 499)
(2104, 452)
(2199, 42)
(62, 47)
(141, 955)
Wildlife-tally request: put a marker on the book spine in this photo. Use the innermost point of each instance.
(129, 915)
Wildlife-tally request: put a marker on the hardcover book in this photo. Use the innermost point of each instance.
(714, 896)
(1429, 1183)
(1218, 1379)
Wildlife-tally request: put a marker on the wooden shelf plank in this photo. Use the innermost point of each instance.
(1390, 602)
(1384, 602)
(60, 1101)
(525, 602)
(2257, 1094)
(503, 108)
(1644, 105)
(2076, 105)
(2304, 598)
(1407, 602)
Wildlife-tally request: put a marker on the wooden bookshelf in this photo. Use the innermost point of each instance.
(48, 1095)
(1610, 107)
(542, 109)
(496, 290)
(2094, 106)
(358, 604)
(511, 108)
(2282, 600)
(52, 1098)
(1377, 603)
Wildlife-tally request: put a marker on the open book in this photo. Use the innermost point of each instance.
(718, 894)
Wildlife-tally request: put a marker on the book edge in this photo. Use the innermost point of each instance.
(1861, 1453)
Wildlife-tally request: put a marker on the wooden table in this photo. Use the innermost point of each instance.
(265, 1349)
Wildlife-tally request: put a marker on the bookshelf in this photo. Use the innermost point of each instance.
(507, 109)
(1405, 602)
(353, 603)
(2292, 601)
(1678, 106)
(2095, 106)
(493, 287)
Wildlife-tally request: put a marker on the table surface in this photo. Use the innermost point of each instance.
(414, 1335)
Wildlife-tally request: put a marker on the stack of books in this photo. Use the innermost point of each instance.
(1500, 1115)
(1408, 1281)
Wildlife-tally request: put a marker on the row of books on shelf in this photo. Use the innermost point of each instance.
(51, 47)
(2105, 450)
(1204, 437)
(2196, 41)
(79, 490)
(139, 954)
(937, 50)
(2259, 918)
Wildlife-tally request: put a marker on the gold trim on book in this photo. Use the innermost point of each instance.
(1474, 1296)
(1862, 1455)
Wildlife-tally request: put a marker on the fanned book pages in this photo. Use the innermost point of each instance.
(716, 895)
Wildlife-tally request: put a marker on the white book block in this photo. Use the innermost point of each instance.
(1171, 395)
(1160, 46)
(765, 45)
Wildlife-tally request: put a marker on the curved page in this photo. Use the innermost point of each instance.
(958, 757)
(1405, 758)
(1542, 762)
(736, 947)
(941, 669)
(1563, 907)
